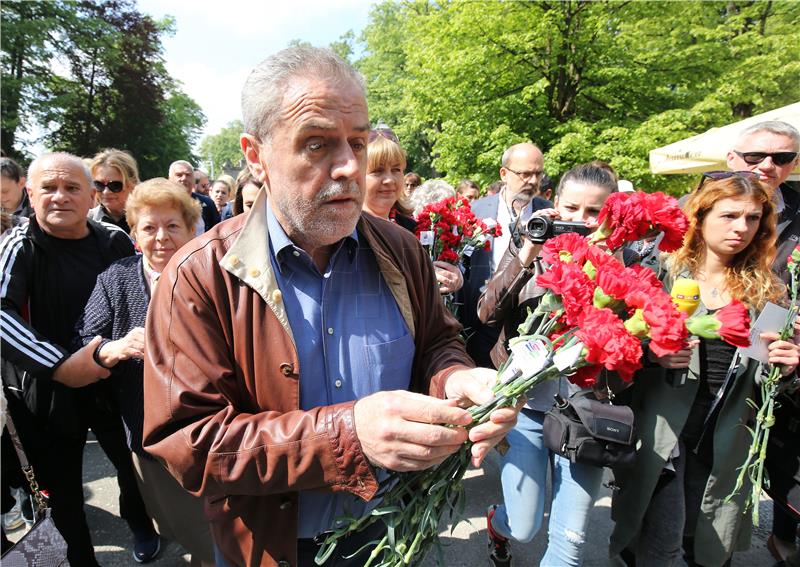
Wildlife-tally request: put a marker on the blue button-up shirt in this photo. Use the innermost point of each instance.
(351, 340)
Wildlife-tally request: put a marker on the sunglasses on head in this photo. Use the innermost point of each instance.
(717, 175)
(778, 158)
(113, 186)
(384, 132)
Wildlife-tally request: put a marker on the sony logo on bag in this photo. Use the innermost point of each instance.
(612, 429)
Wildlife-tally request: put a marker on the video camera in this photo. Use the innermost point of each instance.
(541, 229)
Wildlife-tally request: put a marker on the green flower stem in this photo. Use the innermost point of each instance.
(412, 504)
(753, 467)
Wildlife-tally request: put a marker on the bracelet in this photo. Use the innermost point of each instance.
(96, 354)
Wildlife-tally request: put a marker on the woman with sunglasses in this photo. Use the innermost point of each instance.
(114, 174)
(386, 162)
(693, 432)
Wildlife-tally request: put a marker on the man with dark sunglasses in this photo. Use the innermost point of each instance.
(770, 150)
(767, 148)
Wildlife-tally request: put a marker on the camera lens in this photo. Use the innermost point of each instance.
(537, 227)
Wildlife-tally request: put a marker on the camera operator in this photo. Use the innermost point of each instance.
(579, 197)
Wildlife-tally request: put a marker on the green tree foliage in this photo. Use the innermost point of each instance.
(611, 80)
(91, 75)
(222, 147)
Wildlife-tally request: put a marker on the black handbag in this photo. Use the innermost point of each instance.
(591, 432)
(43, 545)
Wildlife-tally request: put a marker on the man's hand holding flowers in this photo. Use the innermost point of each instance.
(474, 387)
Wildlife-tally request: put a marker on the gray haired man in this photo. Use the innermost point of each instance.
(295, 352)
(770, 149)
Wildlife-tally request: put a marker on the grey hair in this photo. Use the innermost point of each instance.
(432, 191)
(773, 126)
(511, 149)
(262, 94)
(64, 156)
(180, 162)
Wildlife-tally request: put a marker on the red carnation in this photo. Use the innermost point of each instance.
(586, 376)
(567, 247)
(600, 258)
(667, 325)
(667, 217)
(623, 218)
(572, 284)
(647, 278)
(616, 281)
(734, 324)
(608, 342)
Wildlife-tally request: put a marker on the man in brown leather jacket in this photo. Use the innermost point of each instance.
(295, 352)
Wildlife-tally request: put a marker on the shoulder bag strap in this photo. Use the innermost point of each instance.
(27, 469)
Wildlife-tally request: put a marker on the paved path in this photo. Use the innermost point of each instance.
(465, 547)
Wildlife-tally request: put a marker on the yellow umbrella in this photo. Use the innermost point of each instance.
(707, 151)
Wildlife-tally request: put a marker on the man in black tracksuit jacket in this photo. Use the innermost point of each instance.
(48, 270)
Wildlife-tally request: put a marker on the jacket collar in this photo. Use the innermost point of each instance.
(248, 260)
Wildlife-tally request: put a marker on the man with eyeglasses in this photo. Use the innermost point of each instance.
(521, 173)
(770, 149)
(201, 183)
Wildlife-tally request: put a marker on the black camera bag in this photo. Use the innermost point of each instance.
(591, 432)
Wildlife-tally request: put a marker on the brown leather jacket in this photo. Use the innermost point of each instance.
(506, 298)
(221, 383)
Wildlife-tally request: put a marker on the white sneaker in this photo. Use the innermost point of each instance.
(13, 518)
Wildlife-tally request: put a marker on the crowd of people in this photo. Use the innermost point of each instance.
(254, 354)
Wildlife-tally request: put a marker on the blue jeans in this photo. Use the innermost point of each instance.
(524, 477)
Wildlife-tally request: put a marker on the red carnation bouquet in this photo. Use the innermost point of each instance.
(627, 217)
(595, 315)
(450, 230)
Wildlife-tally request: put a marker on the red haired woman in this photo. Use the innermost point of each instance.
(694, 437)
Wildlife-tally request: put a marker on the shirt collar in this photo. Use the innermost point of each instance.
(281, 245)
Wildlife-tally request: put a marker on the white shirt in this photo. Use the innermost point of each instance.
(504, 219)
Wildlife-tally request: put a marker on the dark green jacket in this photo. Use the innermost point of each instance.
(661, 412)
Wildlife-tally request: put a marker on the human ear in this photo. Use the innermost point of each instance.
(252, 155)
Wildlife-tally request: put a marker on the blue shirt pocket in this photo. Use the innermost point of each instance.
(389, 364)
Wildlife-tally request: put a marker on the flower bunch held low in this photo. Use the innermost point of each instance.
(753, 467)
(595, 315)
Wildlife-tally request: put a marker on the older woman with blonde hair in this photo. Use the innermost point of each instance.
(114, 175)
(386, 162)
(162, 218)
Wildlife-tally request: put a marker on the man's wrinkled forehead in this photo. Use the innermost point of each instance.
(764, 140)
(59, 169)
(314, 101)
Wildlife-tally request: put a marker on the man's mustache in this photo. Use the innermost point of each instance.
(334, 189)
